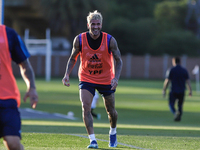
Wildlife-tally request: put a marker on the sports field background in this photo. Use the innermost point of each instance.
(144, 119)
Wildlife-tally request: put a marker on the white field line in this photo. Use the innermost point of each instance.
(132, 146)
(83, 136)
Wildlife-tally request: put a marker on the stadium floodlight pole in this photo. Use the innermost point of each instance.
(2, 11)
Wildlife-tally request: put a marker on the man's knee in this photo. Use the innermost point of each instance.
(113, 113)
(13, 143)
(86, 107)
(14, 146)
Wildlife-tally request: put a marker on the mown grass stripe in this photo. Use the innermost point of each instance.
(102, 125)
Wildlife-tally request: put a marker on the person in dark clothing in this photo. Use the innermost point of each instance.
(178, 76)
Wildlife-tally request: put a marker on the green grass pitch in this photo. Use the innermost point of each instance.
(144, 119)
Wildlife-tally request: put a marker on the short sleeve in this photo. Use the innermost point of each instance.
(167, 74)
(17, 48)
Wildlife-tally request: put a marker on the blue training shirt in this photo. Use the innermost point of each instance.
(178, 76)
(17, 48)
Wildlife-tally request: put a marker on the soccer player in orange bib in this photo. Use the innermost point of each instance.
(96, 71)
(13, 49)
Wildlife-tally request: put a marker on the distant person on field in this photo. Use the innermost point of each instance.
(178, 76)
(93, 106)
(12, 48)
(96, 71)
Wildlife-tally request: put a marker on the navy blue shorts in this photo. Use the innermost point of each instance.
(104, 90)
(10, 121)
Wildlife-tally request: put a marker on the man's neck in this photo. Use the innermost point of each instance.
(94, 36)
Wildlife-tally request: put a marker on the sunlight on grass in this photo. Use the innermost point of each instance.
(144, 118)
(137, 90)
(106, 125)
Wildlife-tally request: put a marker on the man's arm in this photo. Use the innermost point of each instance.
(29, 78)
(189, 87)
(72, 61)
(165, 85)
(118, 66)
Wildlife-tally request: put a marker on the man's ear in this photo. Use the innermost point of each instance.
(88, 25)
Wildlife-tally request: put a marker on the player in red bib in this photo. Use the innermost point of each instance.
(97, 50)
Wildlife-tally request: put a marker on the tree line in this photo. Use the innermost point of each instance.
(141, 27)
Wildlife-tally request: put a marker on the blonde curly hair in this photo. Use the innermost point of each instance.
(94, 15)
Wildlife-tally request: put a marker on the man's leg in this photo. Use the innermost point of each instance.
(109, 102)
(11, 123)
(93, 113)
(180, 103)
(86, 99)
(12, 143)
(172, 100)
(180, 107)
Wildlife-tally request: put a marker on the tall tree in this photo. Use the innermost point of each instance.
(68, 16)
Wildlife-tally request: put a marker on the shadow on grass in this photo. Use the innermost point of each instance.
(101, 130)
(157, 118)
(127, 117)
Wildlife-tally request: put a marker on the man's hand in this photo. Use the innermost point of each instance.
(32, 94)
(164, 93)
(65, 80)
(190, 93)
(114, 83)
